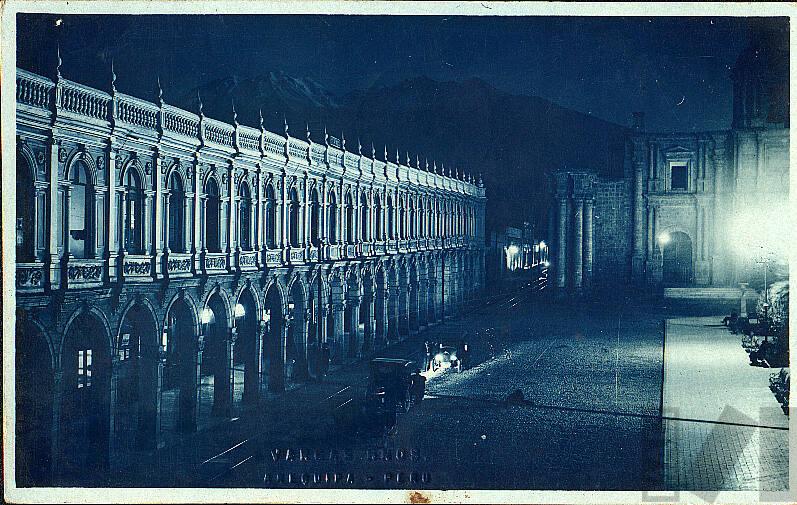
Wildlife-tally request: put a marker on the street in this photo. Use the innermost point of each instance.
(591, 379)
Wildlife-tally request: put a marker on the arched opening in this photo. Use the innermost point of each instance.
(215, 394)
(315, 219)
(365, 230)
(26, 215)
(332, 219)
(273, 347)
(403, 299)
(134, 212)
(245, 355)
(412, 231)
(379, 307)
(402, 219)
(176, 214)
(34, 407)
(390, 218)
(676, 259)
(314, 326)
(349, 219)
(421, 219)
(178, 397)
(431, 299)
(137, 372)
(271, 218)
(412, 291)
(366, 304)
(296, 351)
(379, 230)
(293, 217)
(81, 212)
(212, 212)
(84, 420)
(351, 320)
(245, 217)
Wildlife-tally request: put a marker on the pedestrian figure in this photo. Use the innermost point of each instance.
(324, 361)
(463, 354)
(417, 386)
(427, 364)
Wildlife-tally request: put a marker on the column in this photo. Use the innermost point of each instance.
(113, 245)
(188, 221)
(561, 246)
(66, 207)
(200, 209)
(160, 231)
(232, 217)
(588, 213)
(578, 235)
(55, 426)
(323, 216)
(637, 260)
(339, 353)
(165, 221)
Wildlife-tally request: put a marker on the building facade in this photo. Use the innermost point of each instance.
(173, 269)
(700, 209)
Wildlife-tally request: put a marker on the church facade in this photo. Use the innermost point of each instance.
(698, 209)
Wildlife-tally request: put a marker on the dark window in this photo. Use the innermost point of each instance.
(271, 218)
(679, 177)
(213, 205)
(134, 215)
(333, 219)
(245, 218)
(84, 368)
(176, 214)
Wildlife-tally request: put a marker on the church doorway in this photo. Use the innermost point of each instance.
(677, 260)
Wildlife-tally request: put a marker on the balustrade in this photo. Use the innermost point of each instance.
(30, 277)
(83, 100)
(136, 112)
(34, 90)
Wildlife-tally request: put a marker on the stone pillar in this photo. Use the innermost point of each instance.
(412, 290)
(382, 317)
(578, 236)
(340, 342)
(166, 210)
(66, 218)
(112, 216)
(561, 246)
(55, 426)
(197, 381)
(588, 241)
(638, 257)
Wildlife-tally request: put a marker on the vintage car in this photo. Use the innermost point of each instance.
(392, 377)
(446, 357)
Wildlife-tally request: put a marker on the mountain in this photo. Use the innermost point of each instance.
(514, 140)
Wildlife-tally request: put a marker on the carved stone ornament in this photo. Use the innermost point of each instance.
(189, 174)
(100, 162)
(40, 157)
(61, 155)
(148, 168)
(224, 179)
(119, 162)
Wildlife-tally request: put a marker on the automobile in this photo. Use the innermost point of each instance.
(446, 357)
(391, 377)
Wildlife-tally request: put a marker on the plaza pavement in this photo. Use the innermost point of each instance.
(724, 429)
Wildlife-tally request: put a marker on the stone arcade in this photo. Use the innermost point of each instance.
(173, 269)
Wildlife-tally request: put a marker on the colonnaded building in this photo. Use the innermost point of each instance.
(172, 270)
(685, 210)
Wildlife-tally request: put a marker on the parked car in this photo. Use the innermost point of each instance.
(391, 377)
(446, 357)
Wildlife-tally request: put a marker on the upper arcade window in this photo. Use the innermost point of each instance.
(293, 214)
(349, 219)
(679, 176)
(271, 218)
(80, 212)
(364, 215)
(25, 211)
(176, 214)
(245, 217)
(315, 219)
(212, 235)
(134, 213)
(333, 219)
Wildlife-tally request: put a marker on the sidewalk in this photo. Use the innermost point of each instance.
(725, 430)
(199, 459)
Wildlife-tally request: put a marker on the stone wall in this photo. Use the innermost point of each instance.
(612, 228)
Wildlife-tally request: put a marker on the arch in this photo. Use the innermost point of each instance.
(176, 212)
(180, 343)
(81, 157)
(245, 209)
(315, 218)
(246, 317)
(332, 217)
(273, 337)
(379, 231)
(212, 215)
(85, 408)
(271, 216)
(81, 209)
(137, 349)
(391, 235)
(677, 257)
(34, 364)
(365, 218)
(294, 233)
(25, 206)
(349, 205)
(296, 350)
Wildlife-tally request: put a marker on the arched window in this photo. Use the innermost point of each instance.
(378, 215)
(390, 218)
(134, 212)
(212, 211)
(421, 219)
(332, 219)
(402, 219)
(245, 217)
(293, 221)
(81, 212)
(315, 219)
(365, 230)
(429, 229)
(412, 218)
(271, 218)
(26, 202)
(439, 226)
(349, 219)
(176, 214)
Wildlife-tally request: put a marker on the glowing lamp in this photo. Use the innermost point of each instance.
(664, 238)
(207, 315)
(240, 311)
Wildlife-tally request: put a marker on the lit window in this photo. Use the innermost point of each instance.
(84, 368)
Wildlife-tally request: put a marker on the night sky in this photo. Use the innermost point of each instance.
(676, 70)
